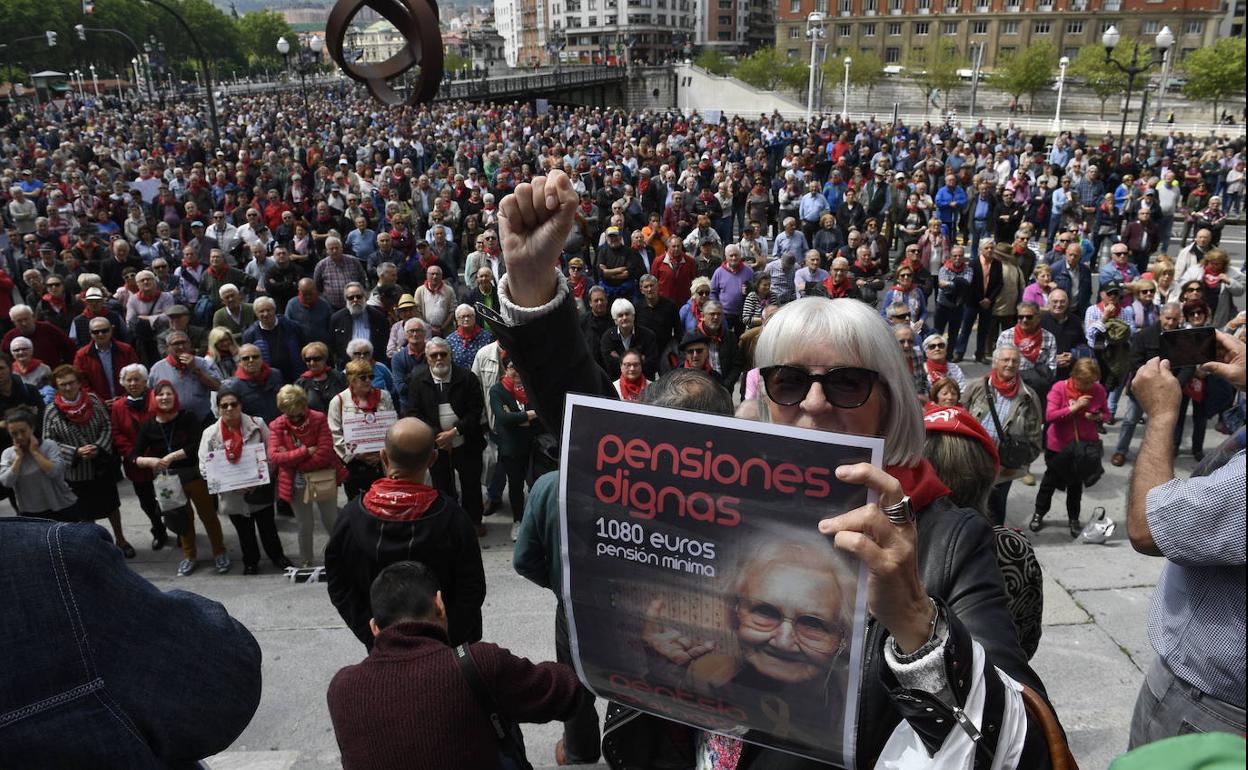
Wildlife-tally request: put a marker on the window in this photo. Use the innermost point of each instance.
(795, 6)
(949, 28)
(923, 6)
(921, 27)
(1074, 28)
(1150, 27)
(725, 21)
(1195, 27)
(846, 7)
(844, 30)
(1014, 6)
(868, 30)
(1105, 25)
(1041, 27)
(795, 33)
(1005, 53)
(593, 21)
(1009, 28)
(868, 6)
(894, 29)
(725, 36)
(894, 6)
(892, 55)
(725, 5)
(792, 53)
(979, 28)
(1070, 53)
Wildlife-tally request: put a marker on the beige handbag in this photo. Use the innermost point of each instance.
(320, 485)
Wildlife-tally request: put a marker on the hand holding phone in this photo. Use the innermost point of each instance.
(1188, 347)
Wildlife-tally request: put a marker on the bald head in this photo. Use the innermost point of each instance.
(409, 449)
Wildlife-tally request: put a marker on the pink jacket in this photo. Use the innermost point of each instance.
(1062, 424)
(288, 456)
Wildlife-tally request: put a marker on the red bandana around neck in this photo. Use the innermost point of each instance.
(175, 363)
(1007, 389)
(936, 370)
(516, 388)
(398, 499)
(714, 337)
(56, 302)
(1072, 390)
(260, 378)
(630, 391)
(233, 440)
(149, 297)
(370, 401)
(79, 411)
(1028, 344)
(1210, 276)
(468, 336)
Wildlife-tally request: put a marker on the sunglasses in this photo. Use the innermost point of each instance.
(437, 355)
(313, 359)
(900, 317)
(248, 358)
(703, 293)
(845, 387)
(1027, 317)
(935, 346)
(229, 405)
(100, 332)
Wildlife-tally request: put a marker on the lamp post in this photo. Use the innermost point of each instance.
(814, 32)
(1062, 64)
(1110, 41)
(1165, 41)
(305, 60)
(845, 98)
(95, 83)
(75, 78)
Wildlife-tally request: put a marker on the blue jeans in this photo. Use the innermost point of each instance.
(1165, 224)
(970, 314)
(947, 318)
(979, 229)
(1129, 421)
(1199, 422)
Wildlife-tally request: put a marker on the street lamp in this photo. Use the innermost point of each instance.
(1062, 64)
(1165, 41)
(845, 100)
(305, 60)
(95, 83)
(814, 32)
(1110, 39)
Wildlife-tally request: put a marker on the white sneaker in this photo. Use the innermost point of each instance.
(515, 530)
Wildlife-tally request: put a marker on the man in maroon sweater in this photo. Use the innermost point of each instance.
(408, 705)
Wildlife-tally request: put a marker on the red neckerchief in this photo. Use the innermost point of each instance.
(1007, 389)
(1072, 391)
(936, 370)
(78, 412)
(175, 363)
(920, 483)
(259, 379)
(370, 401)
(838, 290)
(310, 303)
(59, 302)
(1195, 389)
(715, 338)
(1028, 344)
(1107, 316)
(398, 499)
(632, 392)
(706, 367)
(1210, 277)
(516, 389)
(728, 267)
(949, 266)
(429, 285)
(578, 286)
(427, 260)
(220, 275)
(468, 338)
(233, 441)
(145, 297)
(34, 364)
(87, 312)
(188, 265)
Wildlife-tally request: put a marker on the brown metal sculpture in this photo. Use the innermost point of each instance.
(417, 22)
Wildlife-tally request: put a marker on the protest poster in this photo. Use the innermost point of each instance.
(697, 585)
(251, 470)
(364, 432)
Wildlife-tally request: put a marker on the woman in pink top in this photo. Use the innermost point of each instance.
(1076, 409)
(1038, 290)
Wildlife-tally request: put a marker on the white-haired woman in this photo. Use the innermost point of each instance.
(469, 337)
(936, 604)
(699, 295)
(32, 371)
(362, 350)
(222, 353)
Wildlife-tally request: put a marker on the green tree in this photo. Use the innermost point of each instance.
(866, 70)
(1100, 76)
(258, 33)
(935, 71)
(1215, 72)
(713, 61)
(767, 69)
(1027, 72)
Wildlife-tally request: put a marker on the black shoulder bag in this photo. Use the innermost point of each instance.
(510, 740)
(1013, 453)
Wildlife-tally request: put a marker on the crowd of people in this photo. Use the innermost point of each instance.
(385, 301)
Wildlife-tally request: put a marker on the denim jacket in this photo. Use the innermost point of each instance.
(89, 650)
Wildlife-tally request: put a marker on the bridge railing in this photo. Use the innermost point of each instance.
(544, 81)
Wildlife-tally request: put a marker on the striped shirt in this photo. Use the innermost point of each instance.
(1196, 622)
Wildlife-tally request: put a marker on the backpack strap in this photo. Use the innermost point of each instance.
(468, 667)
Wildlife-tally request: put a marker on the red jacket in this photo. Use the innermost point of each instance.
(287, 454)
(51, 345)
(126, 424)
(674, 282)
(87, 361)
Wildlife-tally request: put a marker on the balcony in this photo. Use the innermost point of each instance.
(1078, 5)
(983, 9)
(894, 11)
(870, 12)
(924, 11)
(1111, 6)
(1014, 8)
(1045, 8)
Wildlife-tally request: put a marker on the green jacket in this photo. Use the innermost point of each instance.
(515, 433)
(537, 553)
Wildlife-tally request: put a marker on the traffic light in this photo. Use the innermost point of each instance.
(81, 30)
(51, 38)
(88, 7)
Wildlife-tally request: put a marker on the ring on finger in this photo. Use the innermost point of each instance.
(900, 514)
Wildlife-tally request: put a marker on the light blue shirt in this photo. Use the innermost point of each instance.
(106, 363)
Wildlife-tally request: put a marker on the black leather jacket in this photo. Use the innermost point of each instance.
(957, 564)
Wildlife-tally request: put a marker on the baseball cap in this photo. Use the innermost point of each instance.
(46, 247)
(197, 223)
(613, 230)
(1111, 287)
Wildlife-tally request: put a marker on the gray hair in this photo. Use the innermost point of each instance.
(18, 310)
(407, 325)
(359, 346)
(437, 342)
(688, 389)
(465, 307)
(622, 305)
(1028, 305)
(1003, 349)
(712, 304)
(263, 302)
(144, 274)
(227, 288)
(965, 467)
(129, 368)
(862, 339)
(21, 342)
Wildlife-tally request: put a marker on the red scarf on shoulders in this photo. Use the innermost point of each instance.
(175, 363)
(1072, 391)
(219, 274)
(59, 302)
(714, 338)
(578, 287)
(260, 379)
(632, 392)
(1028, 344)
(936, 370)
(370, 401)
(310, 303)
(516, 389)
(1007, 389)
(469, 337)
(34, 364)
(838, 290)
(152, 297)
(233, 441)
(78, 412)
(433, 289)
(1210, 277)
(398, 499)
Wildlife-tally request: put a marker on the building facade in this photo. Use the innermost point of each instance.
(636, 31)
(734, 26)
(522, 25)
(892, 28)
